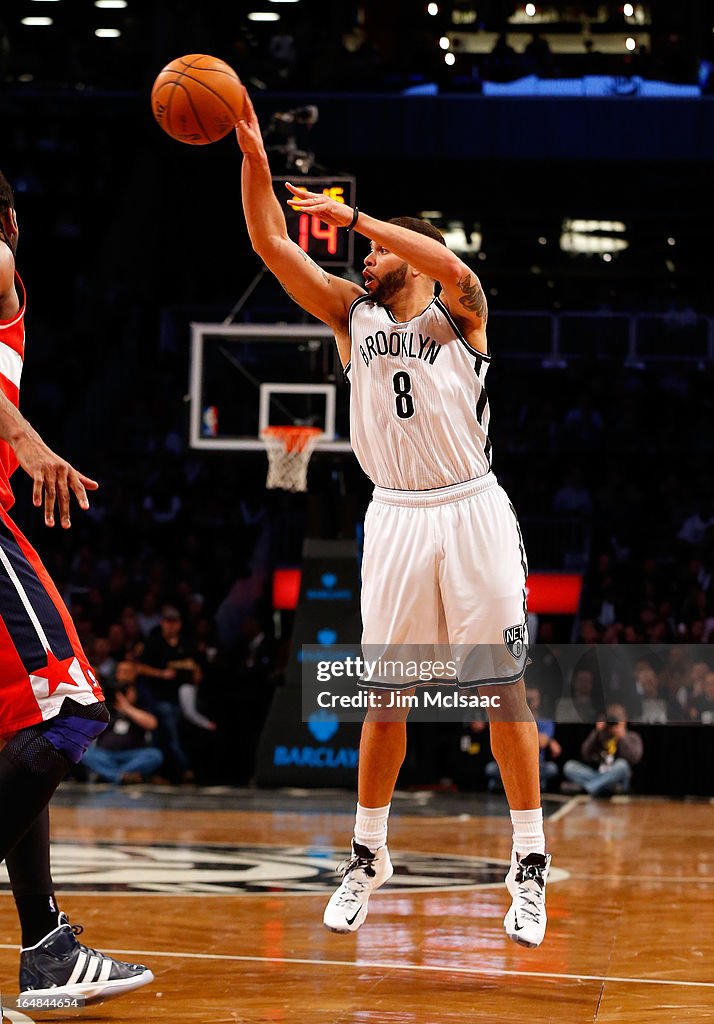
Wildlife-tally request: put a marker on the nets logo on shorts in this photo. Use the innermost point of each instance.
(516, 638)
(205, 870)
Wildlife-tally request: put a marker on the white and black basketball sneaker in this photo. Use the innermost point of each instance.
(364, 872)
(526, 920)
(59, 966)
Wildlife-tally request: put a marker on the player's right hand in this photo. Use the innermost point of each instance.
(248, 131)
(53, 479)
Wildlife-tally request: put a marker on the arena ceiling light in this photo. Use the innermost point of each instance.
(530, 10)
(456, 239)
(110, 5)
(432, 9)
(107, 33)
(630, 44)
(37, 22)
(449, 59)
(628, 10)
(263, 16)
(593, 237)
(444, 43)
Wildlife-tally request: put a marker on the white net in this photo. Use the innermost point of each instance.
(289, 450)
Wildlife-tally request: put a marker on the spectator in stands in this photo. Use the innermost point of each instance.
(550, 749)
(504, 64)
(148, 617)
(593, 59)
(572, 498)
(693, 529)
(608, 756)
(701, 705)
(538, 56)
(122, 753)
(653, 708)
(580, 705)
(677, 682)
(103, 661)
(198, 734)
(166, 663)
(583, 427)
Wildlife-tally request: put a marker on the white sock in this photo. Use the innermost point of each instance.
(371, 826)
(528, 835)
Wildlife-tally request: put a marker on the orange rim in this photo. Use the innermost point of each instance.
(292, 438)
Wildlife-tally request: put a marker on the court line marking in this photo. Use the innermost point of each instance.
(363, 965)
(272, 894)
(574, 802)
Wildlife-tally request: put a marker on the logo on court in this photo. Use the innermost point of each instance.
(207, 870)
(515, 638)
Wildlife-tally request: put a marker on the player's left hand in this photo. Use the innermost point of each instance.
(53, 478)
(322, 206)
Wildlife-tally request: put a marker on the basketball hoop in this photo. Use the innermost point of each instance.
(289, 450)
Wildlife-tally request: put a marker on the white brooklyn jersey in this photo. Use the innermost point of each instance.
(418, 407)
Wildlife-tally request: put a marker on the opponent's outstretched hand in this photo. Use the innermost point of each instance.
(321, 205)
(248, 132)
(53, 478)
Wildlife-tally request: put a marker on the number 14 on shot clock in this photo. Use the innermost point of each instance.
(325, 243)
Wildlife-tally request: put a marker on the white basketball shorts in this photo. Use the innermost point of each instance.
(446, 569)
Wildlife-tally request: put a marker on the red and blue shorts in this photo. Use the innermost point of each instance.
(41, 658)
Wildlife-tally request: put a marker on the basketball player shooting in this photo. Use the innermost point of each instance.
(51, 704)
(443, 557)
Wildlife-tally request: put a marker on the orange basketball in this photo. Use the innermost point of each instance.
(197, 99)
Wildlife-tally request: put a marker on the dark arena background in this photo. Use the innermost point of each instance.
(566, 152)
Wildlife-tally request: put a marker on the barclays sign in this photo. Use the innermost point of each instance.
(328, 590)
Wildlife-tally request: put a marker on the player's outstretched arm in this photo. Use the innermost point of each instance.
(461, 288)
(323, 295)
(53, 478)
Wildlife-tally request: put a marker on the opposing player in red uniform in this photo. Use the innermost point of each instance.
(51, 704)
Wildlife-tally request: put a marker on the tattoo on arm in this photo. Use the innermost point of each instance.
(472, 297)
(325, 276)
(287, 291)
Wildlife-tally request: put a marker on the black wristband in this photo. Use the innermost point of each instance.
(354, 219)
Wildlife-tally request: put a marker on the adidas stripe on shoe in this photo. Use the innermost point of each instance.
(59, 966)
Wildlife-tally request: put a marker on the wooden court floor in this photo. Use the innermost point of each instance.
(631, 918)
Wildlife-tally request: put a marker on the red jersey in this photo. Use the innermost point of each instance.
(41, 658)
(12, 355)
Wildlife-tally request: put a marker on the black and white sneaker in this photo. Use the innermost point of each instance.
(526, 919)
(364, 872)
(61, 967)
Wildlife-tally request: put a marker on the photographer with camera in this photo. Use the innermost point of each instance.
(121, 753)
(609, 753)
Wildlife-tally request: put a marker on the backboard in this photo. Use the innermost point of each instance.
(244, 377)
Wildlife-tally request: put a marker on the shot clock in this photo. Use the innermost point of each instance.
(329, 246)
